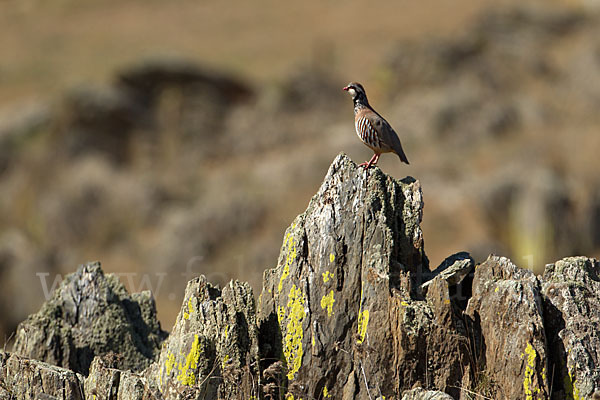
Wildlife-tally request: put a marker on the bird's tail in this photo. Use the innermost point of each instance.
(401, 154)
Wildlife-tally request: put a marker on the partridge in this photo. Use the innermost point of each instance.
(372, 128)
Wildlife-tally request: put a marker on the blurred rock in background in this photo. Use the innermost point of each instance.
(170, 169)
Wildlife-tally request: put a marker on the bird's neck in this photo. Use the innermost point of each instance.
(360, 103)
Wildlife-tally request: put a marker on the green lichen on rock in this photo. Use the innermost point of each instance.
(90, 314)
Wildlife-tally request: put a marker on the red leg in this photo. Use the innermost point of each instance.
(372, 161)
(375, 159)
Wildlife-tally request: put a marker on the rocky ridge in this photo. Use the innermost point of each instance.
(352, 310)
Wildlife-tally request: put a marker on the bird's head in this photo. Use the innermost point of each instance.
(357, 92)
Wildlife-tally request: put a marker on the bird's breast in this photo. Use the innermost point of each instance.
(366, 132)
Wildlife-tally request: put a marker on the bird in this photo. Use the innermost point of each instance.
(372, 128)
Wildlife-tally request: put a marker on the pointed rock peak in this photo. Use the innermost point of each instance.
(355, 253)
(372, 211)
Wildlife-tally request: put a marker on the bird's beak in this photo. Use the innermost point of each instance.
(346, 88)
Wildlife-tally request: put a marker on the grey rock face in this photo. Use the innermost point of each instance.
(91, 314)
(213, 349)
(26, 379)
(571, 290)
(343, 296)
(512, 352)
(106, 381)
(344, 315)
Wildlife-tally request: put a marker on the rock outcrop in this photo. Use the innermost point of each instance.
(92, 314)
(512, 353)
(351, 311)
(344, 295)
(571, 293)
(213, 349)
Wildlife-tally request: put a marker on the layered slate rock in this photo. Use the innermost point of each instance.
(571, 291)
(507, 311)
(105, 381)
(92, 314)
(22, 378)
(344, 299)
(212, 351)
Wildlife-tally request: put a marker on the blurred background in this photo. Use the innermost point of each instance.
(172, 138)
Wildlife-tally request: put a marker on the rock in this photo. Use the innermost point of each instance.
(99, 120)
(213, 349)
(343, 296)
(344, 314)
(422, 394)
(506, 308)
(145, 80)
(194, 99)
(106, 120)
(454, 269)
(92, 314)
(21, 378)
(571, 290)
(106, 381)
(318, 92)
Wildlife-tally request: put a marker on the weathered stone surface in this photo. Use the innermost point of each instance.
(105, 381)
(571, 290)
(345, 314)
(454, 268)
(343, 296)
(91, 314)
(26, 379)
(212, 351)
(422, 394)
(507, 309)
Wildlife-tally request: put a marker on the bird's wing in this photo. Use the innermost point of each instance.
(387, 134)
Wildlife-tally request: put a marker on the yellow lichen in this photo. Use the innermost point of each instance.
(190, 309)
(571, 390)
(327, 302)
(292, 349)
(327, 276)
(326, 394)
(363, 322)
(529, 372)
(169, 362)
(290, 257)
(225, 361)
(331, 257)
(404, 303)
(187, 371)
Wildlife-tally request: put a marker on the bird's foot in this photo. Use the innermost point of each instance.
(371, 162)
